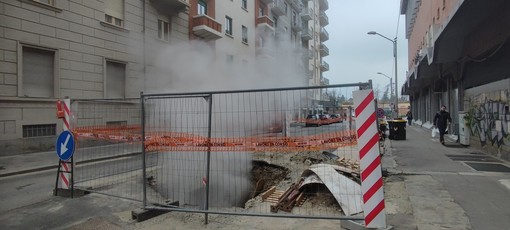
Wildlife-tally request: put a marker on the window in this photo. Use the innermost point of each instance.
(163, 30)
(294, 18)
(202, 7)
(39, 130)
(47, 2)
(38, 77)
(114, 12)
(286, 7)
(245, 34)
(228, 25)
(115, 79)
(116, 123)
(244, 4)
(262, 10)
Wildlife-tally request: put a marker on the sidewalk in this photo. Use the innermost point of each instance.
(26, 163)
(33, 162)
(428, 187)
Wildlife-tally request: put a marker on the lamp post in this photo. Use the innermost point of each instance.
(394, 41)
(391, 82)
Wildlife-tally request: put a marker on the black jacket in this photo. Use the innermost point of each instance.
(409, 115)
(441, 119)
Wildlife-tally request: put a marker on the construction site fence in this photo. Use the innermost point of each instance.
(243, 152)
(249, 152)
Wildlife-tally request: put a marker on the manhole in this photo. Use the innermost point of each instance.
(478, 158)
(487, 167)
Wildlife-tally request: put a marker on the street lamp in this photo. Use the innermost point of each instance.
(394, 41)
(391, 82)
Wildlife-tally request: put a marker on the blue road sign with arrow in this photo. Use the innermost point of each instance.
(65, 145)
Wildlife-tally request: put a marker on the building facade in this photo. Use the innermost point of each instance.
(112, 49)
(458, 55)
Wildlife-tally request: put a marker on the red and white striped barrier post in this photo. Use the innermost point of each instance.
(65, 167)
(370, 160)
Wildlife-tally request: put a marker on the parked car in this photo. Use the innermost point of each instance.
(336, 118)
(312, 120)
(325, 119)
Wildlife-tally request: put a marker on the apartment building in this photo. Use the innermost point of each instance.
(458, 57)
(52, 49)
(112, 49)
(244, 31)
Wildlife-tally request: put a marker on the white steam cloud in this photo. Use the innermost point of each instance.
(196, 67)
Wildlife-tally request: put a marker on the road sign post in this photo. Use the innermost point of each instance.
(65, 145)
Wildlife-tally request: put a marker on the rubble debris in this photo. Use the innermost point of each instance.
(289, 198)
(329, 155)
(349, 163)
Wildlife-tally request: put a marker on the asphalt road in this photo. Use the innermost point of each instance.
(23, 190)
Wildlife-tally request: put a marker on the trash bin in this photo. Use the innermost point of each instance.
(397, 129)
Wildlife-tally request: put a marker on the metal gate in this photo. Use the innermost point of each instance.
(287, 152)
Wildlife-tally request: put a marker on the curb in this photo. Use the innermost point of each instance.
(44, 168)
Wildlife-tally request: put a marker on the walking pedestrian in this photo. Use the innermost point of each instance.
(441, 121)
(409, 117)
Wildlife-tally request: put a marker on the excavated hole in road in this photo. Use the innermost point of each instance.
(265, 175)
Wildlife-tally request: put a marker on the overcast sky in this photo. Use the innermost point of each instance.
(355, 56)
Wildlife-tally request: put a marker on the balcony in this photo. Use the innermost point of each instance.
(324, 50)
(265, 23)
(266, 1)
(306, 35)
(324, 81)
(323, 19)
(297, 25)
(265, 52)
(324, 35)
(206, 27)
(324, 66)
(170, 6)
(307, 14)
(278, 8)
(323, 5)
(296, 4)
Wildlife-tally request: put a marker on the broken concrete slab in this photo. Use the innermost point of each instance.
(346, 191)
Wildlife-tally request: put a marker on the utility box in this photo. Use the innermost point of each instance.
(464, 132)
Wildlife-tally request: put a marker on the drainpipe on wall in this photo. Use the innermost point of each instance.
(143, 40)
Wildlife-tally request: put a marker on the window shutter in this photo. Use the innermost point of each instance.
(115, 80)
(38, 72)
(114, 8)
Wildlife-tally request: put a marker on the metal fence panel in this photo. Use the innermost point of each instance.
(108, 156)
(253, 152)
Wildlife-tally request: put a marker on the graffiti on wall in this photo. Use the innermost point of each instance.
(489, 118)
